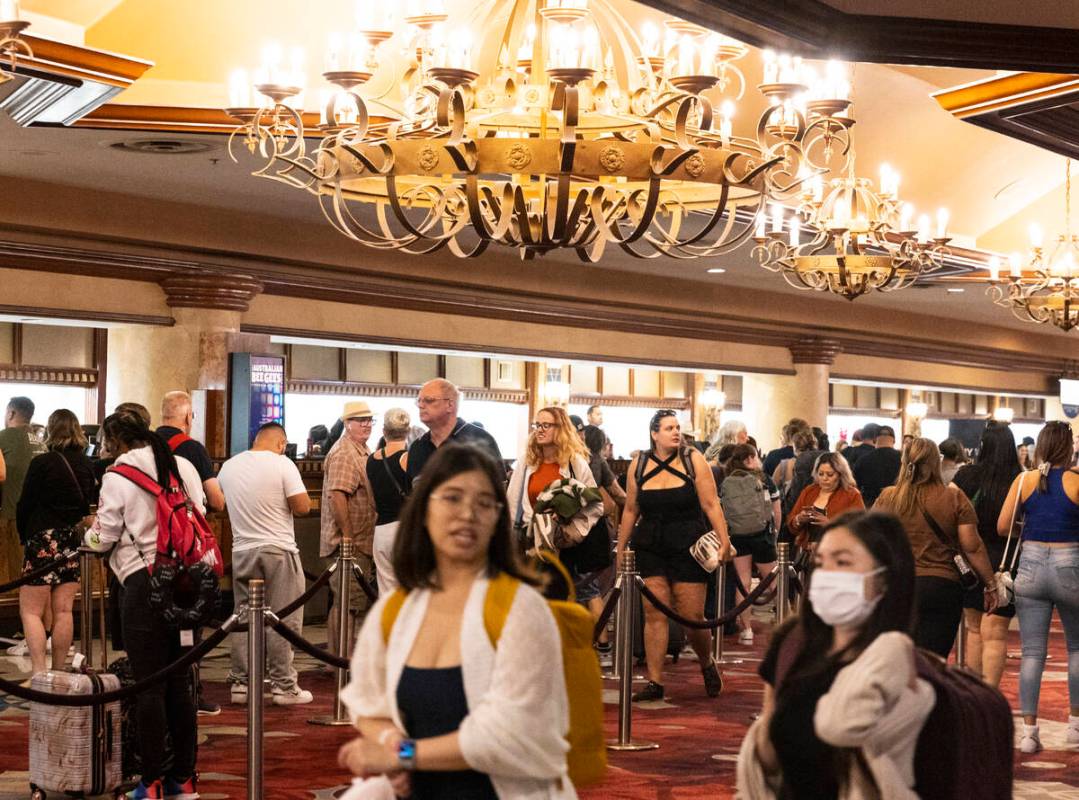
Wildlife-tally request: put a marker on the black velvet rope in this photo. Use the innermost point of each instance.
(796, 581)
(289, 609)
(185, 661)
(293, 638)
(740, 587)
(41, 571)
(608, 609)
(362, 580)
(712, 624)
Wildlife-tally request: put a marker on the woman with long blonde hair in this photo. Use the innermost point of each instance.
(941, 524)
(554, 451)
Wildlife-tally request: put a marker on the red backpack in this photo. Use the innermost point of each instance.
(184, 537)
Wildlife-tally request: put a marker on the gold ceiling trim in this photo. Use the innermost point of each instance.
(83, 63)
(1003, 91)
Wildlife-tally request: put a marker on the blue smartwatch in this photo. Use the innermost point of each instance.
(406, 754)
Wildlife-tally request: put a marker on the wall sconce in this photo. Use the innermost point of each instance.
(1004, 414)
(917, 409)
(710, 402)
(555, 390)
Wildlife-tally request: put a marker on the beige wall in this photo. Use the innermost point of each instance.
(917, 373)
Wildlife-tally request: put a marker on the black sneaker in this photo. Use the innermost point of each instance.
(208, 709)
(653, 691)
(713, 681)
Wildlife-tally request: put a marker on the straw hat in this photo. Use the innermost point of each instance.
(357, 409)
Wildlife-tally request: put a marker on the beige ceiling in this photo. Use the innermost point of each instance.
(991, 183)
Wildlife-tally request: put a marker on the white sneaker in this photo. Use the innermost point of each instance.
(746, 636)
(238, 693)
(1073, 730)
(291, 697)
(20, 649)
(1030, 741)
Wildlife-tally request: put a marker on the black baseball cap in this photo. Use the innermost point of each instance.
(578, 423)
(884, 430)
(1027, 440)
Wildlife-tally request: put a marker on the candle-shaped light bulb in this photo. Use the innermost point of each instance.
(1036, 238)
(296, 75)
(923, 228)
(777, 218)
(942, 223)
(1015, 262)
(686, 52)
(762, 225)
(771, 68)
(906, 217)
(650, 39)
(994, 269)
(271, 61)
(796, 230)
(324, 97)
(885, 180)
(239, 89)
(785, 74)
(9, 10)
(333, 52)
(818, 188)
(590, 52)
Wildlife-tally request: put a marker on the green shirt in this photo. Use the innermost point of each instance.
(17, 448)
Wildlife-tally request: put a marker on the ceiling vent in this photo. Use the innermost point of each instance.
(163, 147)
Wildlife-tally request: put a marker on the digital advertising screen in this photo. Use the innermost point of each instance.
(256, 396)
(1069, 397)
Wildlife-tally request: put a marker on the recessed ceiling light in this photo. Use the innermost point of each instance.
(955, 290)
(717, 270)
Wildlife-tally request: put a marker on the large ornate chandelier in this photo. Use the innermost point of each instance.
(561, 128)
(1045, 287)
(844, 237)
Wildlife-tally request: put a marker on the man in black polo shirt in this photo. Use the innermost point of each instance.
(438, 401)
(857, 452)
(176, 419)
(879, 469)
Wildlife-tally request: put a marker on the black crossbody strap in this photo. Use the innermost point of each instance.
(938, 530)
(71, 472)
(389, 472)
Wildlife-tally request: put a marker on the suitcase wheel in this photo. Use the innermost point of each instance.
(37, 794)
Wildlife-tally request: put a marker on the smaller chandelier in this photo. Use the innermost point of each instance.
(11, 45)
(844, 237)
(1045, 287)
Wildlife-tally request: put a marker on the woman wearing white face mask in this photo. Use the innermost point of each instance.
(843, 706)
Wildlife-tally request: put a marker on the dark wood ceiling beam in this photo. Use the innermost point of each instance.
(814, 29)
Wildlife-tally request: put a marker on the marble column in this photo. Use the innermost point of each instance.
(769, 401)
(192, 354)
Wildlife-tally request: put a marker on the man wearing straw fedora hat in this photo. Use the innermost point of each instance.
(348, 508)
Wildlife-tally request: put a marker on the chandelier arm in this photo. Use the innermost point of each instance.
(430, 220)
(646, 217)
(388, 158)
(681, 124)
(345, 221)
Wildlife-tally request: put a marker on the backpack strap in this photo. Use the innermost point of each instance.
(501, 590)
(687, 462)
(137, 477)
(390, 612)
(177, 440)
(642, 464)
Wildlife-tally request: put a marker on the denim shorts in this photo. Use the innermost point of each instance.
(586, 586)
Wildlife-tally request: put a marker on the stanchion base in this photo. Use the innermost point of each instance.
(610, 676)
(727, 661)
(331, 721)
(614, 744)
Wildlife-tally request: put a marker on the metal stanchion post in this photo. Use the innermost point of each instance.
(717, 634)
(103, 573)
(344, 634)
(783, 563)
(86, 609)
(256, 667)
(961, 644)
(615, 671)
(627, 606)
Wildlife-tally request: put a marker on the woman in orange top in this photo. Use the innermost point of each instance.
(832, 493)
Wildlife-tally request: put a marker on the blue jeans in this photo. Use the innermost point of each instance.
(1047, 577)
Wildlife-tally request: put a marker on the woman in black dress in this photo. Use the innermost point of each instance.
(56, 496)
(673, 496)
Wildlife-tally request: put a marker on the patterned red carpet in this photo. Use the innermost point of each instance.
(698, 738)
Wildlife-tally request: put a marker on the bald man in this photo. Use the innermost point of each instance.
(264, 491)
(438, 401)
(177, 416)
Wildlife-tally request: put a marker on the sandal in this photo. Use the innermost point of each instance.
(713, 681)
(652, 691)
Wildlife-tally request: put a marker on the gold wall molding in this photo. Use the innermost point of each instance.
(362, 389)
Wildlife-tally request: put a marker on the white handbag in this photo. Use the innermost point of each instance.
(376, 788)
(706, 551)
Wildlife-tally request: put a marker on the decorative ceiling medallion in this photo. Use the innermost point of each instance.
(519, 157)
(428, 158)
(695, 165)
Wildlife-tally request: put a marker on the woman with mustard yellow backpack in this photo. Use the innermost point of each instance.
(458, 681)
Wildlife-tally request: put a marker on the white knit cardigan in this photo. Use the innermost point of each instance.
(518, 714)
(517, 494)
(870, 705)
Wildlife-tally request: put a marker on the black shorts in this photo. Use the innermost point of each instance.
(663, 550)
(762, 546)
(975, 601)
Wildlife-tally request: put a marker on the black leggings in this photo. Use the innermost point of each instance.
(939, 604)
(168, 704)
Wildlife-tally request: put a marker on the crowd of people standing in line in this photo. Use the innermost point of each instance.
(439, 525)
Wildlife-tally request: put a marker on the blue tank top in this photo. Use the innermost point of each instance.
(1051, 516)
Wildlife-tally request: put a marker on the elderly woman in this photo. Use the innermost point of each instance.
(387, 472)
(732, 432)
(442, 712)
(831, 494)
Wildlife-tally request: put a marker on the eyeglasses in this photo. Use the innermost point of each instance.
(362, 420)
(428, 401)
(458, 502)
(543, 426)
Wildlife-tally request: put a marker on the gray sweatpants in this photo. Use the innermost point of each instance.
(283, 576)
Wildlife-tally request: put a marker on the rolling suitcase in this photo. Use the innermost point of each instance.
(74, 749)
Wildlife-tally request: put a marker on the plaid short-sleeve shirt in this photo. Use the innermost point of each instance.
(345, 470)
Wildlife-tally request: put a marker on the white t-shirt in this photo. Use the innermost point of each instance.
(256, 484)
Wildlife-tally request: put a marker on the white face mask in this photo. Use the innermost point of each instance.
(838, 597)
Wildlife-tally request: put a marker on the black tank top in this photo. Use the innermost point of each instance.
(389, 484)
(676, 504)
